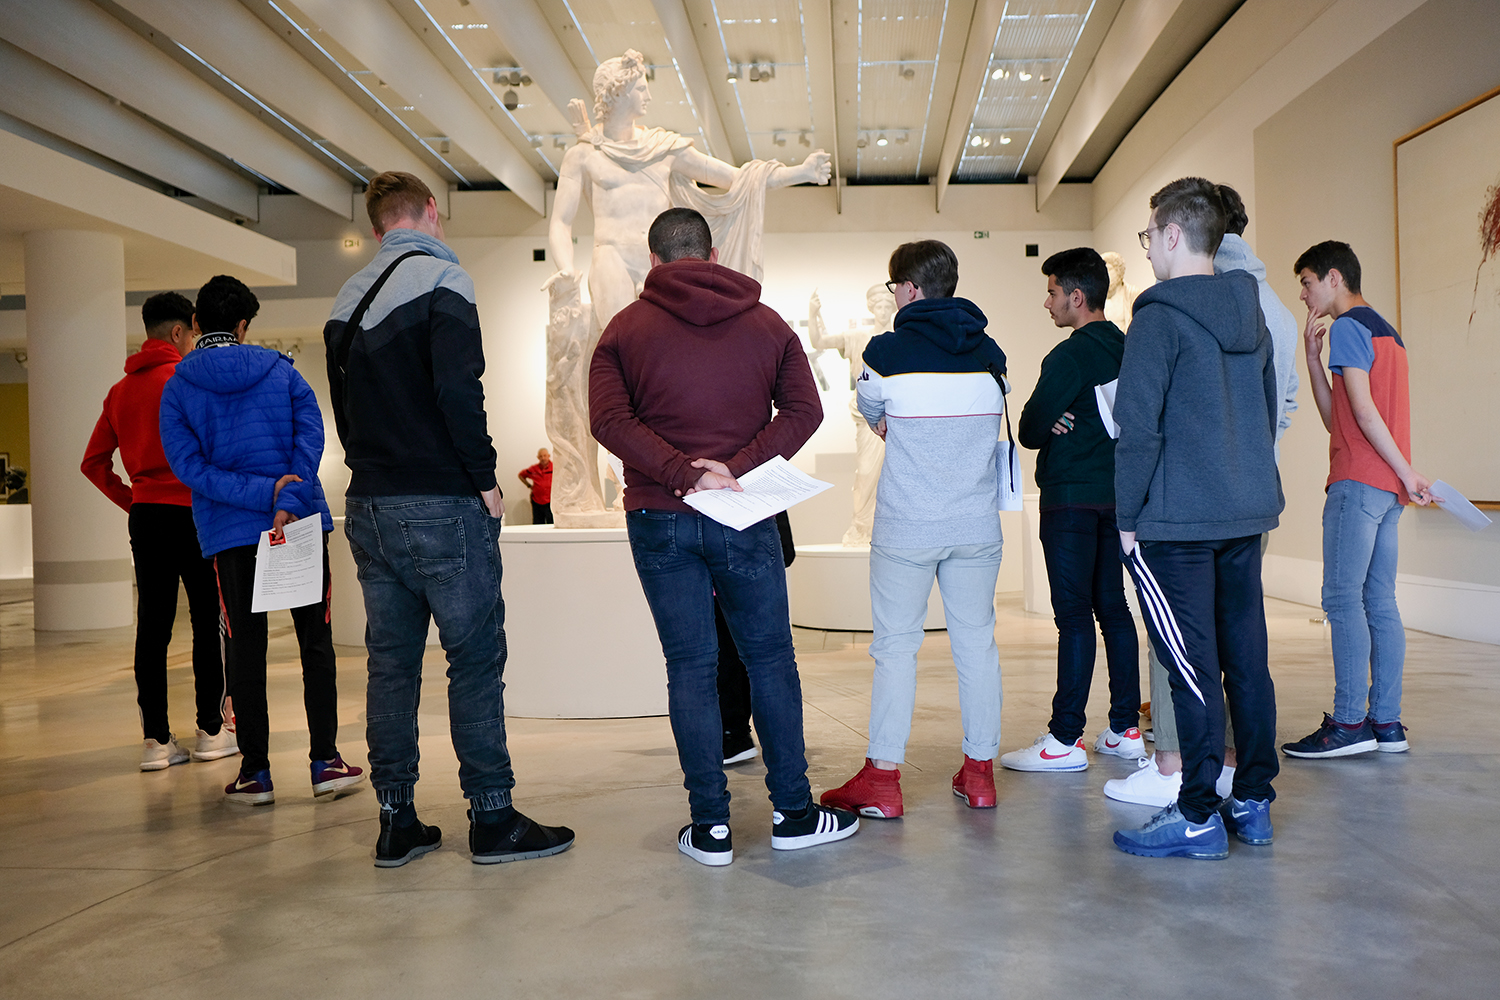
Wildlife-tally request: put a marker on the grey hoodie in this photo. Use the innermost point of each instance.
(1197, 408)
(1235, 255)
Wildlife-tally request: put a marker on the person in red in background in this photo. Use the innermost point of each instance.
(162, 539)
(538, 479)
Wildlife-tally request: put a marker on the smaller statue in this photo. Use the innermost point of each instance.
(1121, 300)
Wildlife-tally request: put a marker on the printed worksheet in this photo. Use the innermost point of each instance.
(768, 489)
(289, 574)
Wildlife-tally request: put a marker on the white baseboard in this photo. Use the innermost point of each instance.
(1453, 608)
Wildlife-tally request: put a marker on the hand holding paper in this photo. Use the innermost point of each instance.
(764, 491)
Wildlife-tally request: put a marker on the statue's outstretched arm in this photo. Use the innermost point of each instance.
(817, 329)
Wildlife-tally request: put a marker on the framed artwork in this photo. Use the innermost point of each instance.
(1448, 278)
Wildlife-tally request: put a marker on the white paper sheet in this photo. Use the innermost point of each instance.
(1458, 505)
(1104, 395)
(769, 489)
(290, 574)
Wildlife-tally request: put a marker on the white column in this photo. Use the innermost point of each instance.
(75, 342)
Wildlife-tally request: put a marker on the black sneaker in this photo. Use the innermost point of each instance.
(513, 837)
(399, 844)
(814, 825)
(706, 843)
(1390, 737)
(1333, 740)
(738, 747)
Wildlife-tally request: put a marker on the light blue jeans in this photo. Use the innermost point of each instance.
(900, 582)
(1359, 598)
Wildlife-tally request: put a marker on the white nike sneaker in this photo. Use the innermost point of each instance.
(1128, 744)
(1048, 754)
(160, 756)
(1149, 787)
(222, 744)
(1146, 787)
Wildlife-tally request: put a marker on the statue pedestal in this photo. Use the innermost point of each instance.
(828, 587)
(582, 641)
(571, 520)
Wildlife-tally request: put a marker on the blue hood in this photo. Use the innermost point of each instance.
(229, 369)
(955, 325)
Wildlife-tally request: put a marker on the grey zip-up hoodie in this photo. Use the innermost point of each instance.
(1197, 407)
(1235, 255)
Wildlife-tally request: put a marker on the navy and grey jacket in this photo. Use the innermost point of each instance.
(410, 408)
(1197, 407)
(1235, 255)
(934, 381)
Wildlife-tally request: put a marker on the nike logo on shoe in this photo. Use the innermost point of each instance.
(1199, 832)
(1111, 745)
(1055, 756)
(240, 784)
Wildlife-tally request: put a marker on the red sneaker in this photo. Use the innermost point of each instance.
(872, 792)
(975, 783)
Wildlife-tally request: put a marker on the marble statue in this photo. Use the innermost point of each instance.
(1121, 295)
(869, 449)
(629, 175)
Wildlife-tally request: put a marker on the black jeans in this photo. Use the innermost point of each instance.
(734, 682)
(165, 545)
(1082, 549)
(245, 648)
(1207, 618)
(541, 513)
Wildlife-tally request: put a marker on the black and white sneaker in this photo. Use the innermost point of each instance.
(706, 843)
(739, 748)
(812, 826)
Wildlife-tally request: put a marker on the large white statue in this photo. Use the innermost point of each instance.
(869, 449)
(1121, 298)
(629, 175)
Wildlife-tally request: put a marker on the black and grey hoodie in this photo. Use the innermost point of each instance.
(1197, 407)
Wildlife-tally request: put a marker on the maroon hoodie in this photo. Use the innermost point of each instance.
(690, 370)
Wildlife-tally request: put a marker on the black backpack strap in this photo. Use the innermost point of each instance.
(358, 316)
(998, 373)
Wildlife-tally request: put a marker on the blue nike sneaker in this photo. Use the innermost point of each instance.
(1169, 834)
(1250, 820)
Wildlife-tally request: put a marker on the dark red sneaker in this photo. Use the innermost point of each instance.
(975, 783)
(872, 792)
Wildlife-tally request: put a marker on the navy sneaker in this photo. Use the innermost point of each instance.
(1169, 834)
(1250, 820)
(329, 776)
(707, 843)
(1333, 740)
(251, 789)
(1390, 737)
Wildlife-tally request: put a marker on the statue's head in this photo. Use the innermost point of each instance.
(1116, 266)
(614, 78)
(882, 305)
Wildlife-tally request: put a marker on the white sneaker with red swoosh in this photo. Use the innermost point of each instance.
(1128, 744)
(1048, 754)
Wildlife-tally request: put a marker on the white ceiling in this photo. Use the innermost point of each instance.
(315, 96)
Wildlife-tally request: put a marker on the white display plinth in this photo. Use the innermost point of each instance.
(828, 588)
(347, 616)
(582, 641)
(15, 541)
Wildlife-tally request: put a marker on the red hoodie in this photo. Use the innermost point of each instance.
(131, 422)
(690, 370)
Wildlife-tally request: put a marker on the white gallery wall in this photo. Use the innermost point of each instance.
(1305, 134)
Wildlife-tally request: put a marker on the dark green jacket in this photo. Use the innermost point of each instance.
(1077, 467)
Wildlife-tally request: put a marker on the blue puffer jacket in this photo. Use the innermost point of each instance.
(234, 420)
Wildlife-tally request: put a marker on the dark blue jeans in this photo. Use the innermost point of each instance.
(683, 560)
(1082, 549)
(437, 557)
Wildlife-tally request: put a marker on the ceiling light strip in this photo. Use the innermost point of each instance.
(739, 103)
(931, 90)
(499, 103)
(315, 143)
(1057, 79)
(354, 78)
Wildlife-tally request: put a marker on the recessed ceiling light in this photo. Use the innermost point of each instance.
(1024, 75)
(1005, 140)
(881, 140)
(976, 141)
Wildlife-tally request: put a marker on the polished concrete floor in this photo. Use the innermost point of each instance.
(1384, 880)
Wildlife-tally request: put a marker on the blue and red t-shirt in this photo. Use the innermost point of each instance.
(1361, 339)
